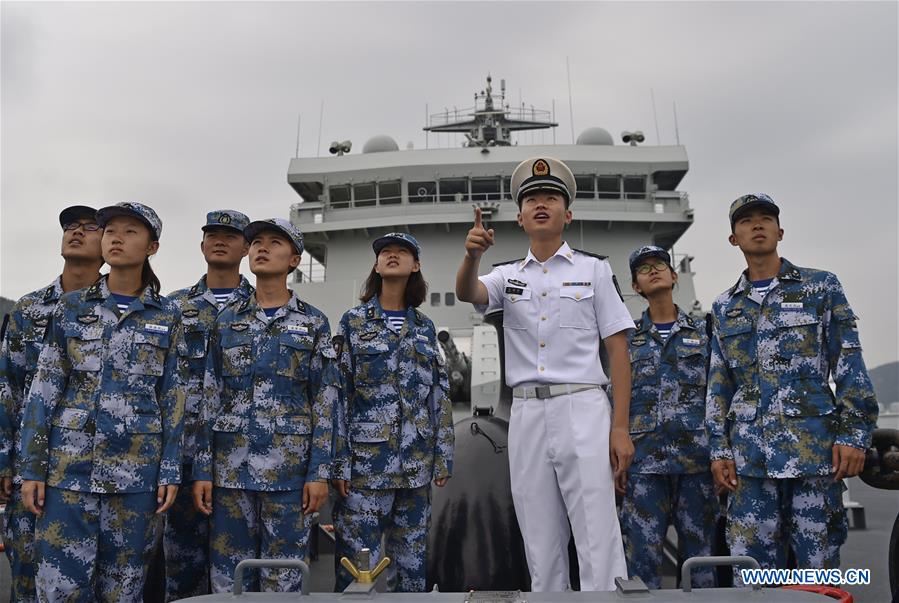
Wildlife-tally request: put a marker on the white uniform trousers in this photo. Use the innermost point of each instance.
(561, 472)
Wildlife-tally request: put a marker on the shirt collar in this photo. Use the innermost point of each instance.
(787, 272)
(564, 252)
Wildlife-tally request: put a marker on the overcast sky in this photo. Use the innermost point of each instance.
(189, 107)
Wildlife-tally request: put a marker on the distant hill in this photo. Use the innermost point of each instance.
(6, 305)
(886, 382)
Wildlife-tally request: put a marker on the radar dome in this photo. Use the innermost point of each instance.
(595, 136)
(380, 144)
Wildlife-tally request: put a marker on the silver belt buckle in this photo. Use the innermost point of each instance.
(542, 392)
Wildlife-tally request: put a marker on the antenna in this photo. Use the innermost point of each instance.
(428, 122)
(655, 115)
(676, 131)
(554, 121)
(321, 116)
(570, 104)
(297, 153)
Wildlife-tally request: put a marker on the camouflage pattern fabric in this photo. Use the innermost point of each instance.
(769, 406)
(270, 390)
(403, 514)
(22, 343)
(105, 410)
(394, 426)
(806, 513)
(254, 525)
(186, 535)
(651, 503)
(668, 388)
(94, 547)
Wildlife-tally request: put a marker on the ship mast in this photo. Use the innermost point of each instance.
(485, 125)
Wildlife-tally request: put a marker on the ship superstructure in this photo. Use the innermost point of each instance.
(627, 196)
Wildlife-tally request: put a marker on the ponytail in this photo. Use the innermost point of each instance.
(149, 278)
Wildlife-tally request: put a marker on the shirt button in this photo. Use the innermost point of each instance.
(543, 294)
(542, 318)
(542, 344)
(577, 296)
(545, 270)
(541, 368)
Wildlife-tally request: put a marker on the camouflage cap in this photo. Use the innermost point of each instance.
(542, 173)
(73, 212)
(401, 238)
(279, 225)
(140, 211)
(226, 218)
(647, 251)
(747, 202)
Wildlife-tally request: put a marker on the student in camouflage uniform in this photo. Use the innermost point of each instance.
(781, 440)
(18, 362)
(186, 538)
(395, 428)
(101, 438)
(669, 481)
(264, 450)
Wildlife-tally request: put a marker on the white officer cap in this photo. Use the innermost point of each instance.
(542, 173)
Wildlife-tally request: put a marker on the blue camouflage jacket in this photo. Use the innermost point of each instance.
(668, 387)
(395, 425)
(769, 406)
(270, 396)
(105, 409)
(198, 313)
(18, 361)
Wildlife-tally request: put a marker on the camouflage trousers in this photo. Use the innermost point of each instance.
(402, 515)
(765, 516)
(650, 504)
(93, 547)
(251, 525)
(18, 537)
(186, 545)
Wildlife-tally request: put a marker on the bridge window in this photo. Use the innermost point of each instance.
(454, 189)
(340, 196)
(635, 187)
(435, 299)
(485, 189)
(390, 193)
(422, 192)
(449, 299)
(364, 194)
(507, 187)
(586, 187)
(608, 187)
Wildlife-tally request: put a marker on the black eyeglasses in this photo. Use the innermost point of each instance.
(647, 268)
(87, 226)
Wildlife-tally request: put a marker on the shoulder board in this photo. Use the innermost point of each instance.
(301, 306)
(3, 326)
(592, 255)
(243, 305)
(509, 262)
(419, 317)
(48, 293)
(194, 290)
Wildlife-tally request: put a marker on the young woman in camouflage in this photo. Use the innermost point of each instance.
(264, 449)
(101, 438)
(394, 427)
(669, 481)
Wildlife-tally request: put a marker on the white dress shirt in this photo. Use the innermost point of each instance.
(554, 314)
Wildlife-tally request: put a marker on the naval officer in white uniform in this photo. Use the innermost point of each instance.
(566, 445)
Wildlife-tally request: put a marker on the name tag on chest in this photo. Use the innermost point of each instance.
(156, 328)
(791, 305)
(298, 329)
(690, 341)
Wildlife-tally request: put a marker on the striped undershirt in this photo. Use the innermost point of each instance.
(221, 295)
(123, 301)
(395, 319)
(762, 287)
(664, 329)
